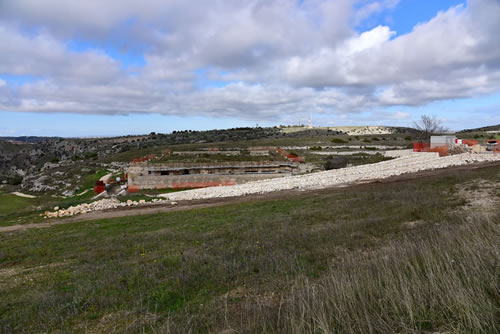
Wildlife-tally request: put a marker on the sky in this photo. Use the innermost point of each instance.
(105, 68)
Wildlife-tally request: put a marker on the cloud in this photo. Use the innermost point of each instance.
(45, 56)
(276, 57)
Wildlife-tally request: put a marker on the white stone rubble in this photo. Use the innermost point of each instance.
(104, 204)
(406, 162)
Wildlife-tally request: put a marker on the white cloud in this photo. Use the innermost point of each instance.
(45, 56)
(285, 58)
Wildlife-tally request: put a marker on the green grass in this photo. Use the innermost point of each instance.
(89, 180)
(10, 204)
(209, 158)
(264, 266)
(20, 210)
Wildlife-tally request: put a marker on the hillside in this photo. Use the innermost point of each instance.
(356, 259)
(495, 128)
(58, 166)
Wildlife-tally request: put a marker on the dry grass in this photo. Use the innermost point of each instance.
(445, 281)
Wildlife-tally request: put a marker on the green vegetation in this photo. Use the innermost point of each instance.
(20, 210)
(398, 257)
(90, 179)
(338, 141)
(341, 161)
(302, 140)
(336, 162)
(10, 204)
(15, 180)
(210, 158)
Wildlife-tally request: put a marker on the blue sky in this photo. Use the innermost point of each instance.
(72, 68)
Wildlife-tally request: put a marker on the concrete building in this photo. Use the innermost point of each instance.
(437, 141)
(196, 175)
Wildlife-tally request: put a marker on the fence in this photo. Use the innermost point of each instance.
(99, 187)
(426, 147)
(468, 142)
(290, 156)
(143, 159)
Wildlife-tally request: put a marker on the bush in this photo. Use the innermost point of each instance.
(408, 138)
(375, 139)
(91, 155)
(54, 160)
(335, 163)
(338, 141)
(16, 180)
(315, 148)
(366, 140)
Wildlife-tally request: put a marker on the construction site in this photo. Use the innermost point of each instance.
(279, 171)
(208, 168)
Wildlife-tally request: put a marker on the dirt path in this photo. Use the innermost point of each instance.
(207, 203)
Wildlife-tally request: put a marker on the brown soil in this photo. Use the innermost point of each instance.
(207, 203)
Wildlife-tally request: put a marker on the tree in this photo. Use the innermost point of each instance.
(429, 125)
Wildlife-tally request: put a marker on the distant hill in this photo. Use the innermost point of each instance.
(28, 139)
(484, 128)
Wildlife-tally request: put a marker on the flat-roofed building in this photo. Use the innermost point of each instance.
(199, 175)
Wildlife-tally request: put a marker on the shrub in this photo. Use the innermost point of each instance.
(91, 155)
(16, 180)
(408, 138)
(335, 163)
(315, 148)
(366, 140)
(338, 141)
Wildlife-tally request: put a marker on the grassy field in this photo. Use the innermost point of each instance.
(20, 210)
(403, 257)
(10, 204)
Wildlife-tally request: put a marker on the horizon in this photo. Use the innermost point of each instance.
(77, 69)
(222, 129)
